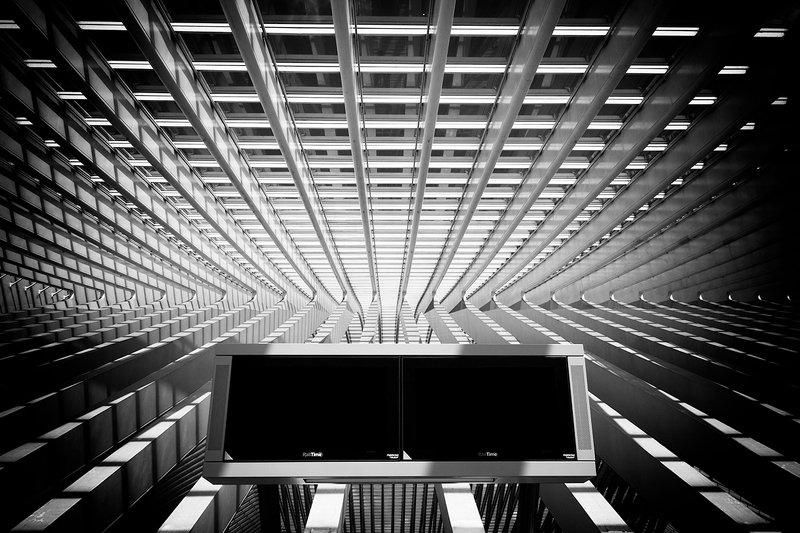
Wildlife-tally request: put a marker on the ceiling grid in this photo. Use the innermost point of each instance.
(343, 167)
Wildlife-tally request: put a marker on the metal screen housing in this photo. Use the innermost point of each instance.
(222, 468)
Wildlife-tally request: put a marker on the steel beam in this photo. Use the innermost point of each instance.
(534, 37)
(249, 35)
(439, 43)
(627, 38)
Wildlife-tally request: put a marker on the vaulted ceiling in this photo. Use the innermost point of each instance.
(405, 154)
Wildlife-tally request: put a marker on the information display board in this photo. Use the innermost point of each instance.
(309, 413)
(310, 408)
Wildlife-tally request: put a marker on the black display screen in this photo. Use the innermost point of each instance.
(487, 408)
(311, 408)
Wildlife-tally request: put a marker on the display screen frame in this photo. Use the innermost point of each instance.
(484, 408)
(220, 468)
(325, 401)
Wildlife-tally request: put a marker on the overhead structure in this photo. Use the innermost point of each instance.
(534, 36)
(177, 176)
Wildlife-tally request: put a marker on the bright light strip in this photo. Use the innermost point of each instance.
(199, 27)
(221, 66)
(390, 29)
(92, 121)
(587, 146)
(173, 123)
(781, 100)
(655, 147)
(703, 100)
(734, 69)
(388, 124)
(605, 125)
(329, 98)
(678, 125)
(456, 68)
(153, 96)
(545, 99)
(320, 66)
(344, 145)
(399, 30)
(581, 31)
(648, 69)
(464, 163)
(624, 100)
(566, 68)
(323, 124)
(394, 98)
(39, 63)
(366, 67)
(102, 25)
(676, 31)
(466, 30)
(71, 95)
(120, 144)
(771, 32)
(298, 28)
(130, 64)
